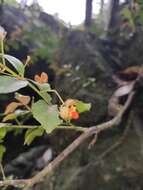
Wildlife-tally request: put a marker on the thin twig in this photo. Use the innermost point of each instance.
(114, 146)
(70, 127)
(2, 171)
(93, 142)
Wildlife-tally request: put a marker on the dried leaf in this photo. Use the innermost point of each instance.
(43, 78)
(114, 106)
(133, 69)
(124, 90)
(23, 99)
(11, 107)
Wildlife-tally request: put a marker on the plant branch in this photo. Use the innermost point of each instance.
(67, 151)
(70, 127)
(2, 51)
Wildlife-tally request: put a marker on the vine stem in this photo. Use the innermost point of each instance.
(37, 91)
(58, 95)
(28, 183)
(2, 171)
(70, 127)
(12, 73)
(2, 51)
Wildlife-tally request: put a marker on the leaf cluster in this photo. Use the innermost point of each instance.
(47, 114)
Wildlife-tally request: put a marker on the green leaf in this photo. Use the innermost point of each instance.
(2, 151)
(16, 63)
(82, 107)
(31, 134)
(10, 84)
(46, 115)
(3, 132)
(46, 96)
(43, 87)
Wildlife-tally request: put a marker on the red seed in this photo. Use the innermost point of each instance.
(74, 115)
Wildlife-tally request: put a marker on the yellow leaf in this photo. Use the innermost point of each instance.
(133, 69)
(10, 116)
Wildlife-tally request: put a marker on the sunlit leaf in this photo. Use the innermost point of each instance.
(2, 151)
(16, 63)
(10, 84)
(82, 107)
(31, 134)
(46, 115)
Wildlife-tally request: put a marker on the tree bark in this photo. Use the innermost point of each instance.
(88, 16)
(114, 5)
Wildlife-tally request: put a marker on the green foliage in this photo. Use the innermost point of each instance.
(135, 17)
(46, 44)
(10, 84)
(2, 151)
(3, 132)
(46, 115)
(16, 63)
(97, 26)
(31, 134)
(50, 116)
(43, 87)
(11, 2)
(82, 107)
(126, 13)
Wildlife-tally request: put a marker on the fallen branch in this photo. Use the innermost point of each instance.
(27, 183)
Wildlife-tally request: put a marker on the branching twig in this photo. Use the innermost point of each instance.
(93, 142)
(67, 151)
(114, 146)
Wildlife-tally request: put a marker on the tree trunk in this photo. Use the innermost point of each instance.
(88, 16)
(114, 5)
(101, 7)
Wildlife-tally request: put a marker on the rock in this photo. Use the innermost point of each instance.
(10, 22)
